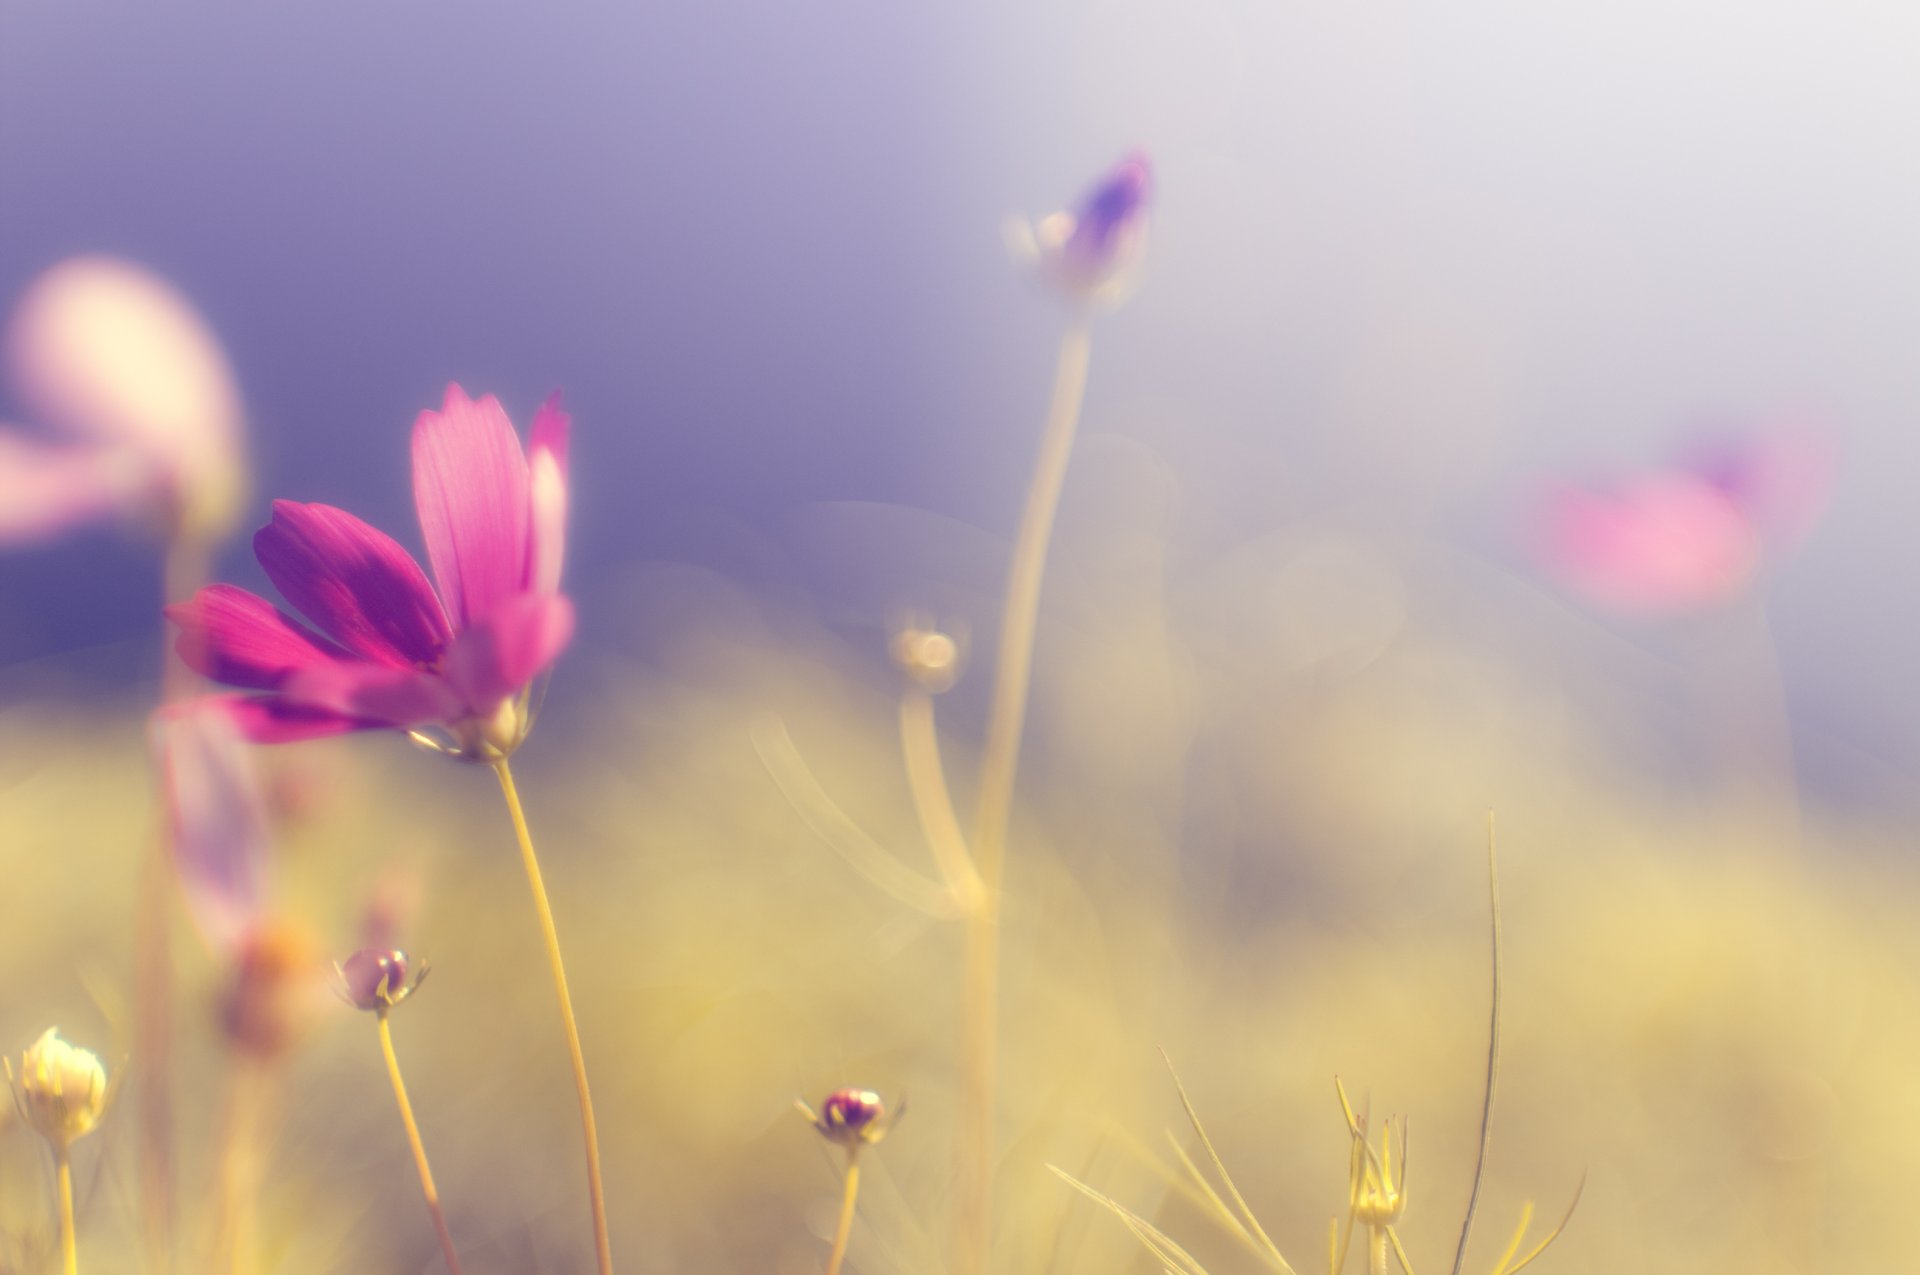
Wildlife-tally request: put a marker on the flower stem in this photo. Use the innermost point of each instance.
(183, 570)
(419, 1148)
(69, 1248)
(1376, 1250)
(1000, 760)
(552, 936)
(845, 1228)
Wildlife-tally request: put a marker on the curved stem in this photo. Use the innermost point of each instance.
(999, 761)
(845, 1228)
(597, 1197)
(69, 1248)
(927, 780)
(1493, 1057)
(419, 1148)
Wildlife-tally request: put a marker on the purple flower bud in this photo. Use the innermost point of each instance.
(375, 979)
(852, 1116)
(1091, 252)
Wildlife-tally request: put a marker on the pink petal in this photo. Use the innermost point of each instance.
(240, 639)
(218, 819)
(110, 351)
(395, 697)
(1663, 543)
(470, 486)
(47, 489)
(274, 719)
(354, 582)
(498, 656)
(547, 476)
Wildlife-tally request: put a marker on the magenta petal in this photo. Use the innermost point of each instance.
(275, 719)
(470, 485)
(547, 482)
(354, 582)
(218, 819)
(47, 489)
(502, 653)
(240, 639)
(397, 697)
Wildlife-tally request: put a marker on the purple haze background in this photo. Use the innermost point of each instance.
(1408, 261)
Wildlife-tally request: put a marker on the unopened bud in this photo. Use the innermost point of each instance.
(378, 979)
(60, 1089)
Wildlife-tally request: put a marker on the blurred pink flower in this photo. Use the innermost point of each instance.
(1092, 253)
(217, 816)
(1690, 536)
(139, 395)
(452, 667)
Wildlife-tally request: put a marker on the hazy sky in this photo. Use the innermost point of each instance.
(1409, 260)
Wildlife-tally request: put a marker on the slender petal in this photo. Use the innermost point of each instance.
(547, 476)
(496, 657)
(398, 697)
(471, 488)
(218, 817)
(354, 582)
(275, 719)
(46, 489)
(239, 639)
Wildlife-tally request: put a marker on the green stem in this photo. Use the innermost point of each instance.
(69, 1248)
(844, 1230)
(596, 1195)
(999, 762)
(427, 1188)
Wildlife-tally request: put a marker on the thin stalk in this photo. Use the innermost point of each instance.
(243, 1122)
(419, 1148)
(999, 761)
(1493, 1057)
(844, 1230)
(927, 780)
(596, 1195)
(69, 1247)
(183, 570)
(1376, 1250)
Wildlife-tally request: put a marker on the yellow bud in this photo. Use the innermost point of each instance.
(61, 1090)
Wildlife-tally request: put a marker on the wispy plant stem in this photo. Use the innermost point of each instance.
(419, 1148)
(843, 1231)
(69, 1246)
(183, 570)
(1376, 1250)
(596, 1195)
(1493, 1056)
(1000, 760)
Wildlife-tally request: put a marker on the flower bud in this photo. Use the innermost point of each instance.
(851, 1118)
(272, 996)
(61, 1090)
(1092, 253)
(377, 979)
(928, 656)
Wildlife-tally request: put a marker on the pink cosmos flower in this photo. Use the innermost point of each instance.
(1693, 535)
(142, 412)
(453, 667)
